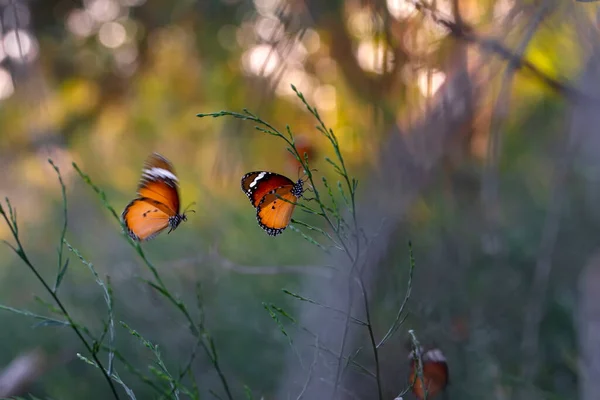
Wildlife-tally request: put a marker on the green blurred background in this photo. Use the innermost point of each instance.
(500, 203)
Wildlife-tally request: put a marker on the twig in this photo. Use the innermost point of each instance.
(397, 321)
(467, 33)
(337, 310)
(417, 358)
(158, 284)
(109, 304)
(371, 338)
(20, 251)
(310, 370)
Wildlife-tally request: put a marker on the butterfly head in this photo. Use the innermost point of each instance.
(177, 219)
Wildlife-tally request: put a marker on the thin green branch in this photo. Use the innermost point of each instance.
(62, 267)
(341, 236)
(107, 300)
(20, 251)
(159, 285)
(51, 321)
(417, 358)
(306, 299)
(371, 338)
(397, 322)
(115, 377)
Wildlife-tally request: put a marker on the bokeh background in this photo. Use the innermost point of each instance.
(471, 127)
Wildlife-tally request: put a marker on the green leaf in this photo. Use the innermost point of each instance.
(275, 318)
(50, 322)
(60, 275)
(248, 393)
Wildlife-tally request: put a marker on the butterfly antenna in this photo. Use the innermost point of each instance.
(187, 208)
(300, 167)
(305, 179)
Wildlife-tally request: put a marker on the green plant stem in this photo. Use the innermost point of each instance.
(398, 319)
(418, 361)
(63, 232)
(196, 331)
(160, 286)
(342, 170)
(351, 185)
(21, 253)
(372, 339)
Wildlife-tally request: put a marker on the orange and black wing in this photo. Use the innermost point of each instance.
(258, 184)
(159, 182)
(435, 374)
(275, 213)
(145, 218)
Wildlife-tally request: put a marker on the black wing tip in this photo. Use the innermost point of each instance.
(132, 235)
(272, 231)
(126, 228)
(158, 155)
(136, 238)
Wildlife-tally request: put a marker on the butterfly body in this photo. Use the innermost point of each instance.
(274, 197)
(157, 206)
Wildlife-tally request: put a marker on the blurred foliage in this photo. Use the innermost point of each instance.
(111, 81)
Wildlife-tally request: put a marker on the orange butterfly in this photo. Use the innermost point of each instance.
(272, 213)
(435, 373)
(157, 205)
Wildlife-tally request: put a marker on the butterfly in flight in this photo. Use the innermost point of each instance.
(273, 213)
(435, 373)
(157, 205)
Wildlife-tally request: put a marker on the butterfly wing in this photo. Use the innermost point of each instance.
(159, 182)
(145, 218)
(435, 374)
(258, 184)
(273, 213)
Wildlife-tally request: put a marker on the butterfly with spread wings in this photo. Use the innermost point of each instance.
(274, 197)
(157, 205)
(435, 373)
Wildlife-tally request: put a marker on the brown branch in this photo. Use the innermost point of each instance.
(467, 33)
(329, 17)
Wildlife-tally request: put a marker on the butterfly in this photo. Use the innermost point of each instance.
(272, 213)
(435, 373)
(157, 205)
